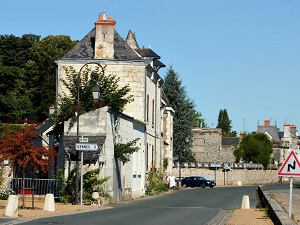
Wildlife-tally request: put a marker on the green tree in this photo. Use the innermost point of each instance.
(15, 51)
(27, 72)
(184, 117)
(110, 93)
(225, 124)
(15, 102)
(256, 148)
(199, 121)
(40, 71)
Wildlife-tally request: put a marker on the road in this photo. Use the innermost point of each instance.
(187, 206)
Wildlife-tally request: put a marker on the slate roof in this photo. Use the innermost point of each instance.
(230, 140)
(84, 49)
(271, 130)
(147, 52)
(44, 126)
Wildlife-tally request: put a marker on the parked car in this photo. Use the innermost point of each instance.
(197, 181)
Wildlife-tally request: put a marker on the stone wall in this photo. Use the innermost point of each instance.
(207, 146)
(234, 176)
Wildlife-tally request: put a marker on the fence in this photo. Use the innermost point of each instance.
(39, 186)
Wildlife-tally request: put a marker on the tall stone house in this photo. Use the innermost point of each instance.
(149, 117)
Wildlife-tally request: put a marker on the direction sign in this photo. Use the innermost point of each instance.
(290, 167)
(86, 147)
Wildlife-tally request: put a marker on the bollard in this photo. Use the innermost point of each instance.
(49, 204)
(96, 198)
(239, 183)
(245, 202)
(11, 208)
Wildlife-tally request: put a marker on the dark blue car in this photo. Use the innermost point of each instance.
(197, 181)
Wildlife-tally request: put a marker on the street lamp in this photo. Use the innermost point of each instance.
(77, 133)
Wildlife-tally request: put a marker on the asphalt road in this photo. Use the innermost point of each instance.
(187, 206)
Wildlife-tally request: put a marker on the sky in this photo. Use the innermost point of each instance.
(238, 55)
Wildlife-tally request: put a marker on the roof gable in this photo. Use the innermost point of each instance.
(272, 132)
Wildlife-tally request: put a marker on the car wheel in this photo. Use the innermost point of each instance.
(211, 186)
(203, 185)
(184, 185)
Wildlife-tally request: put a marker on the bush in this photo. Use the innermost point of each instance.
(156, 184)
(5, 192)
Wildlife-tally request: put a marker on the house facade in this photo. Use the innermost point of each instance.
(283, 142)
(138, 68)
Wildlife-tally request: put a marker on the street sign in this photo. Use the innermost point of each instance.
(86, 147)
(83, 139)
(290, 167)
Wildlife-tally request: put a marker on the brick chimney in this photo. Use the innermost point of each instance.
(267, 123)
(104, 38)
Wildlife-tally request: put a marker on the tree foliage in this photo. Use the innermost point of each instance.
(256, 148)
(123, 151)
(110, 93)
(27, 72)
(40, 71)
(184, 117)
(199, 121)
(225, 124)
(18, 147)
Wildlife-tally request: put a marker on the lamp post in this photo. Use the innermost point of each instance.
(77, 132)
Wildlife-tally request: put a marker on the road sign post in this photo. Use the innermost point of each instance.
(290, 168)
(84, 147)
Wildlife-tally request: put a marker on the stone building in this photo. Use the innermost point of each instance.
(210, 146)
(137, 67)
(283, 142)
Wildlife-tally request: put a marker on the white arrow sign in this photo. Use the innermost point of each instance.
(86, 147)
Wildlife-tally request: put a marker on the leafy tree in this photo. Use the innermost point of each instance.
(199, 121)
(27, 70)
(40, 71)
(256, 148)
(184, 117)
(110, 93)
(123, 151)
(15, 103)
(225, 124)
(19, 148)
(14, 51)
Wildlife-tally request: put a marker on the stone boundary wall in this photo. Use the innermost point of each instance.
(234, 176)
(275, 211)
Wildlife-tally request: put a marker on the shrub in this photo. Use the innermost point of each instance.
(5, 192)
(156, 184)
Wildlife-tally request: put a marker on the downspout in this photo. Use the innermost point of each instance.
(155, 126)
(145, 133)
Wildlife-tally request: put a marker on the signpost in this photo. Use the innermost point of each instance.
(84, 147)
(290, 168)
